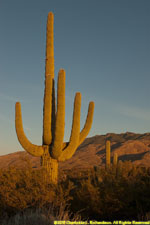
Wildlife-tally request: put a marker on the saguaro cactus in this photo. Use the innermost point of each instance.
(119, 168)
(115, 159)
(107, 154)
(53, 149)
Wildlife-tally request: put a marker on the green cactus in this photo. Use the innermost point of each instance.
(53, 149)
(107, 154)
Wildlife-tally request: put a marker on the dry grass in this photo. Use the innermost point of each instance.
(41, 217)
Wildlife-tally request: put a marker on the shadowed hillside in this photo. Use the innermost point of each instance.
(128, 146)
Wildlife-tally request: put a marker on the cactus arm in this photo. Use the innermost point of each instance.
(53, 111)
(49, 76)
(34, 150)
(60, 116)
(47, 111)
(75, 132)
(88, 123)
(87, 126)
(65, 144)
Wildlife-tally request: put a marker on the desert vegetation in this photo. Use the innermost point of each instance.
(120, 193)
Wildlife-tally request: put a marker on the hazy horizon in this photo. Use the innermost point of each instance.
(104, 47)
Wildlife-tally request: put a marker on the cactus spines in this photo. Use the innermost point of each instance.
(53, 149)
(107, 154)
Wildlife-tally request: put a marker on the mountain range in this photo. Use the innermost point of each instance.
(129, 147)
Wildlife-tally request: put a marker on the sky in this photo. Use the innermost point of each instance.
(104, 47)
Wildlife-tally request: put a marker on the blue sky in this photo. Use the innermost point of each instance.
(104, 46)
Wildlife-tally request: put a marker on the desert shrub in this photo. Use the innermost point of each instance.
(106, 195)
(27, 188)
(98, 194)
(23, 188)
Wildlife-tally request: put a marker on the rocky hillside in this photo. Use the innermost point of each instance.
(129, 146)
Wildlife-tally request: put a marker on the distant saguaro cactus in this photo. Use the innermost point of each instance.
(53, 149)
(115, 159)
(107, 154)
(119, 168)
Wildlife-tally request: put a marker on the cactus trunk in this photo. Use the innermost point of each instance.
(50, 165)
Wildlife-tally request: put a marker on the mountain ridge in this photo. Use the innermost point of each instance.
(129, 146)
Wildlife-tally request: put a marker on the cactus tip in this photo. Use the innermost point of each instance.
(78, 94)
(18, 104)
(50, 15)
(62, 71)
(92, 104)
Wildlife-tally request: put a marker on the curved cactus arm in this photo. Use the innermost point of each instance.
(60, 116)
(65, 144)
(75, 132)
(87, 126)
(88, 123)
(34, 150)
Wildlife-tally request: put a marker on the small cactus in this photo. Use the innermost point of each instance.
(115, 159)
(119, 168)
(53, 149)
(108, 154)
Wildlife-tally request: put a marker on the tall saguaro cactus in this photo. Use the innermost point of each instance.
(53, 149)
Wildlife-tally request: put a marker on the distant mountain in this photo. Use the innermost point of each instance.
(128, 146)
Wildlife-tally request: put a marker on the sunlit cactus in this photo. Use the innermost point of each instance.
(108, 154)
(53, 149)
(115, 159)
